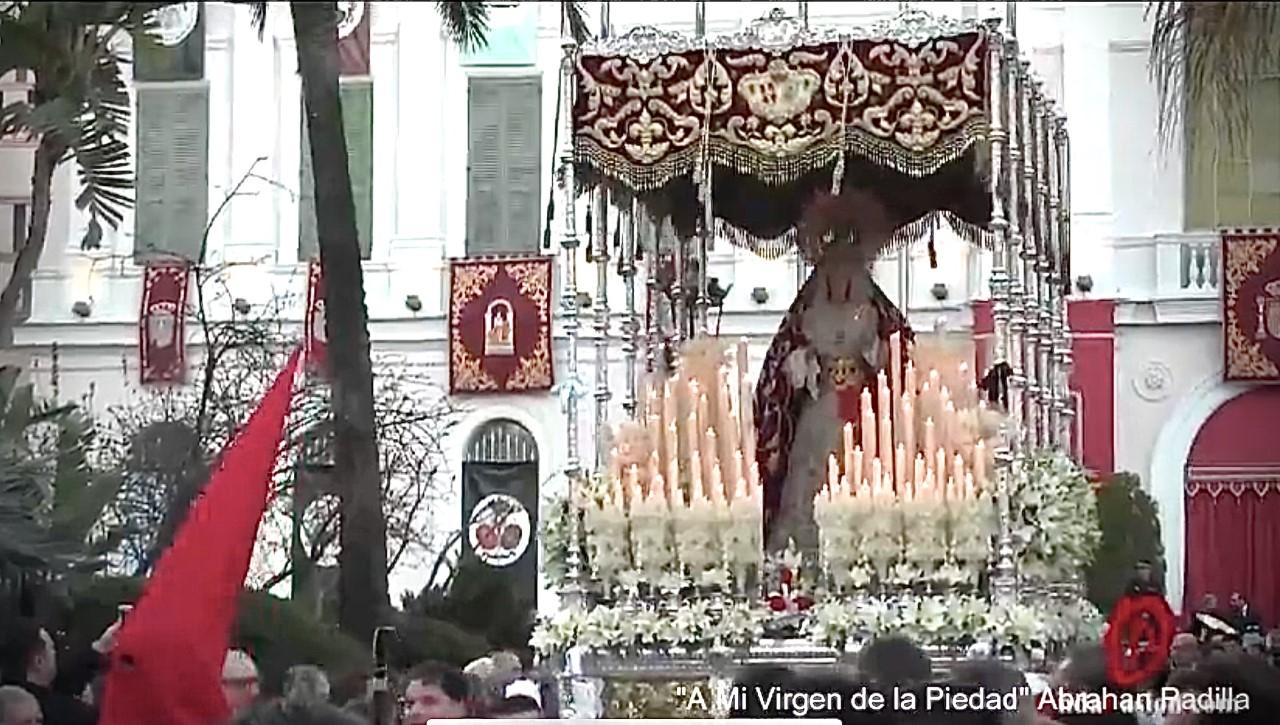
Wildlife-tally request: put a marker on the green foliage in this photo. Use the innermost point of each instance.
(277, 633)
(51, 501)
(420, 638)
(80, 108)
(1130, 533)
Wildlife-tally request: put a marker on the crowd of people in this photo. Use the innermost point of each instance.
(38, 689)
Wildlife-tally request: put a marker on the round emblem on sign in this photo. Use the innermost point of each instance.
(1139, 633)
(499, 530)
(349, 16)
(171, 24)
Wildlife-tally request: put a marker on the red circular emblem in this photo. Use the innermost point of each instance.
(1139, 632)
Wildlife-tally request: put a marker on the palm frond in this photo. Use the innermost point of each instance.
(466, 24)
(1203, 55)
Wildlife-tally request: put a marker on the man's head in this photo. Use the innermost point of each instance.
(1143, 571)
(19, 707)
(435, 691)
(27, 653)
(995, 676)
(1184, 651)
(1209, 602)
(1237, 602)
(306, 684)
(240, 683)
(893, 661)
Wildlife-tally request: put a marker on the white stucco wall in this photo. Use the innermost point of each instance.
(1126, 196)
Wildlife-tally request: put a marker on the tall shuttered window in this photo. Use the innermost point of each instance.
(173, 169)
(357, 123)
(504, 165)
(1237, 184)
(172, 126)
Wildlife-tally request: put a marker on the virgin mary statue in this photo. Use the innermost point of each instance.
(832, 342)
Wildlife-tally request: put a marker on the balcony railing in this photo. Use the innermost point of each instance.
(1199, 263)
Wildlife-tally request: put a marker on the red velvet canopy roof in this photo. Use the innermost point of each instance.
(771, 107)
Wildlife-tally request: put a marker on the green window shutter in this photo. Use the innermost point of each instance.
(308, 242)
(172, 194)
(522, 139)
(486, 215)
(504, 165)
(357, 123)
(357, 120)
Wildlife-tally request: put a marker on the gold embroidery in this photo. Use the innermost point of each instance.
(534, 371)
(1244, 257)
(776, 115)
(534, 281)
(469, 281)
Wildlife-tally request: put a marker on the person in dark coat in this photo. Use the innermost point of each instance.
(28, 659)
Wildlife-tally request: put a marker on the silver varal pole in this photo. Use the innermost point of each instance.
(1016, 138)
(631, 334)
(1062, 328)
(1004, 584)
(1032, 232)
(569, 245)
(802, 11)
(703, 243)
(653, 305)
(600, 245)
(1046, 188)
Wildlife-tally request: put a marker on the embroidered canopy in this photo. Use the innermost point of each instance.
(771, 108)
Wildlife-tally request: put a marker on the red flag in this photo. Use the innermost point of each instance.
(166, 668)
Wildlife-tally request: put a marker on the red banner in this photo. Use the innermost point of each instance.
(353, 38)
(1251, 304)
(162, 323)
(316, 336)
(500, 325)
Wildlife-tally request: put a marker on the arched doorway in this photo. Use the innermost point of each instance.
(1233, 505)
(498, 571)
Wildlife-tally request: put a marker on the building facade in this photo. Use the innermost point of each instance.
(458, 152)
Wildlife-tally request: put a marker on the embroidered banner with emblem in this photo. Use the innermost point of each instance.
(1251, 304)
(316, 338)
(162, 324)
(500, 325)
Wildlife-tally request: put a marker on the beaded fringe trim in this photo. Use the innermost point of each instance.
(780, 170)
(905, 235)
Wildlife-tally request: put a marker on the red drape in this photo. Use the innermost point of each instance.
(1233, 545)
(167, 664)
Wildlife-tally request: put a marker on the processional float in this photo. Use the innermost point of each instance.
(907, 518)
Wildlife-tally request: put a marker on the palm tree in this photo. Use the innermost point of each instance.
(1202, 54)
(362, 583)
(51, 501)
(79, 111)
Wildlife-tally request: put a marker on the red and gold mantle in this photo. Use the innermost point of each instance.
(774, 103)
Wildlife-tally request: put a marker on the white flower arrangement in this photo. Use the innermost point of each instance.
(947, 620)
(1055, 518)
(692, 625)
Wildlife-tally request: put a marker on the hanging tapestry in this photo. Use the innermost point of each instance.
(1251, 304)
(317, 336)
(500, 325)
(162, 323)
(353, 38)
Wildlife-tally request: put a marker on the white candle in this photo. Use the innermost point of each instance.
(907, 425)
(920, 471)
(911, 386)
(704, 412)
(833, 472)
(895, 373)
(847, 449)
(940, 463)
(968, 486)
(930, 440)
(958, 467)
(877, 475)
(900, 467)
(857, 469)
(980, 463)
(950, 427)
(868, 425)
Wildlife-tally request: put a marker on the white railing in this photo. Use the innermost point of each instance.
(1181, 265)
